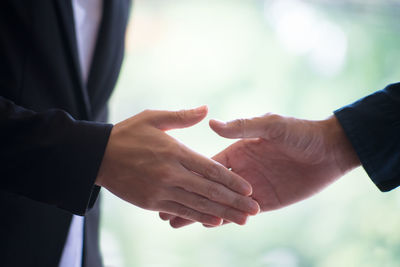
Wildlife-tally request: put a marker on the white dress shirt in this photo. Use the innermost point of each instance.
(87, 16)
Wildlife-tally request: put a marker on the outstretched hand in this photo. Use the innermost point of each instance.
(148, 168)
(284, 159)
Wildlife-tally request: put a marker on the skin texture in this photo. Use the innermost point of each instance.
(285, 159)
(148, 168)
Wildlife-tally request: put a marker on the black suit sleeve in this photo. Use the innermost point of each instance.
(50, 157)
(372, 125)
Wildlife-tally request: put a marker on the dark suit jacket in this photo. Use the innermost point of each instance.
(373, 126)
(52, 138)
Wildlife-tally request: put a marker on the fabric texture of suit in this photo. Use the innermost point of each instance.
(372, 125)
(53, 131)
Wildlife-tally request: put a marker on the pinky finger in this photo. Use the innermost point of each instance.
(189, 214)
(212, 226)
(166, 216)
(179, 222)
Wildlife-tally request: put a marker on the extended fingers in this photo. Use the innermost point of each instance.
(178, 222)
(216, 172)
(219, 194)
(166, 216)
(180, 210)
(221, 185)
(207, 206)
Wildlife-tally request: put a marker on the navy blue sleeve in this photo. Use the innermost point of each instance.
(50, 157)
(372, 125)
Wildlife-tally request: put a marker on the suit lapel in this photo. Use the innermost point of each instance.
(110, 42)
(65, 12)
(100, 66)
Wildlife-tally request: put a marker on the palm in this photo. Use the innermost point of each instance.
(288, 161)
(279, 174)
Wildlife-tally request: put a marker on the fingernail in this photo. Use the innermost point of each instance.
(221, 123)
(216, 222)
(255, 207)
(200, 110)
(247, 189)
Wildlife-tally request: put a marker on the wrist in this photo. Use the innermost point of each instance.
(342, 150)
(99, 178)
(101, 173)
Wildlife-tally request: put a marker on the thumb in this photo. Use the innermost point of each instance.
(167, 120)
(256, 127)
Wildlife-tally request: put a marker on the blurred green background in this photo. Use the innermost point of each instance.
(245, 58)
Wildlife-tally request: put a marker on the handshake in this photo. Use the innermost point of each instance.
(276, 162)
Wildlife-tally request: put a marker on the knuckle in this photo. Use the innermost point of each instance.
(170, 149)
(171, 152)
(166, 174)
(164, 179)
(226, 214)
(180, 115)
(272, 117)
(213, 192)
(213, 171)
(202, 204)
(185, 213)
(180, 150)
(240, 126)
(232, 182)
(276, 133)
(239, 123)
(148, 115)
(276, 129)
(163, 170)
(238, 202)
(153, 199)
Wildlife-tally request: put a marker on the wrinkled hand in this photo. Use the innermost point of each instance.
(284, 159)
(148, 168)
